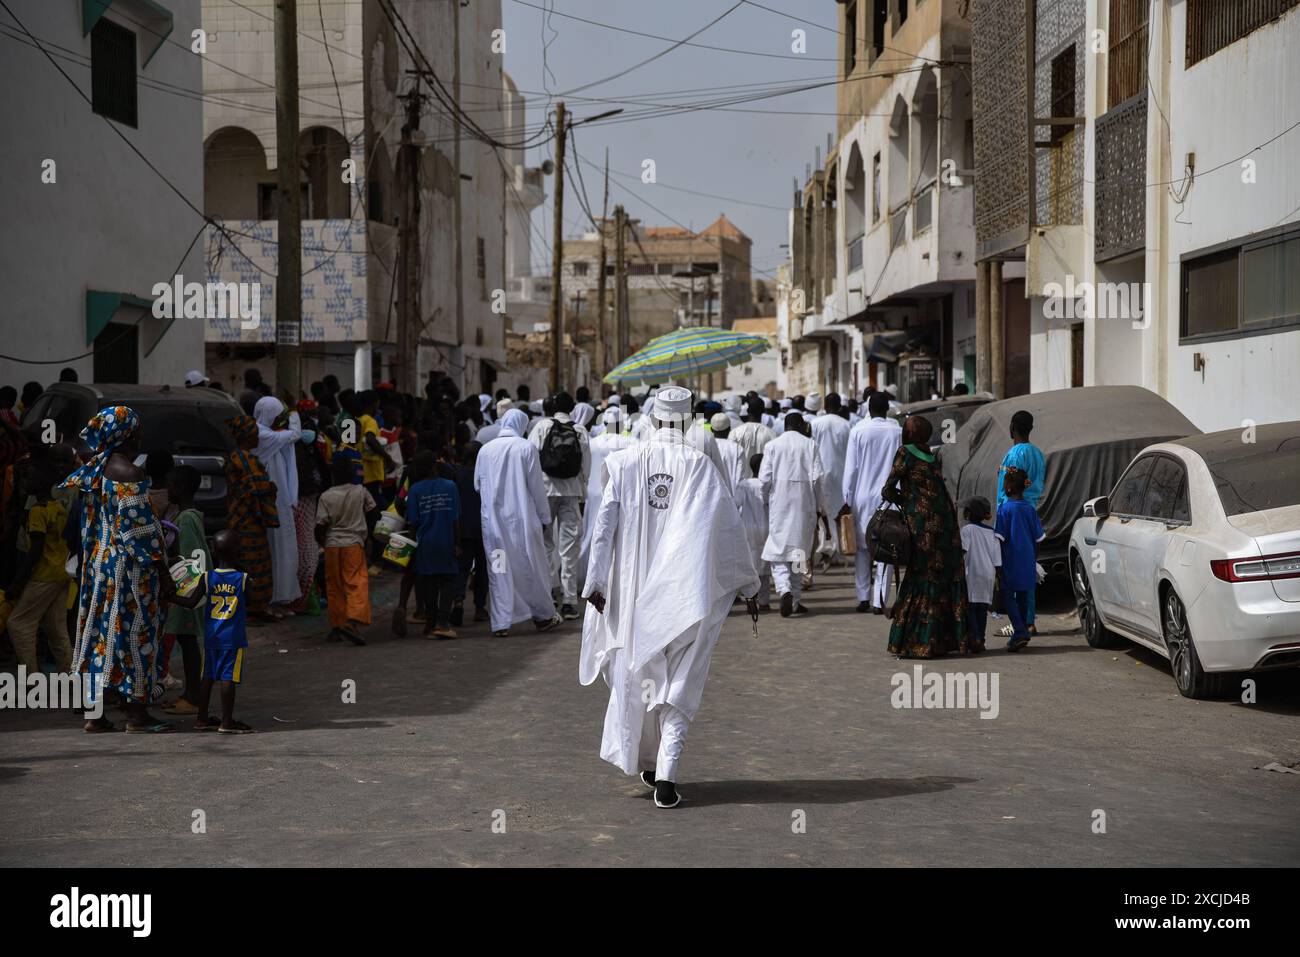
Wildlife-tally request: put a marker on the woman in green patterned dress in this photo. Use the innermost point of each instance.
(929, 618)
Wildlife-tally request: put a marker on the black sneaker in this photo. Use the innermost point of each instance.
(648, 779)
(457, 615)
(787, 605)
(568, 612)
(503, 633)
(864, 606)
(546, 625)
(666, 795)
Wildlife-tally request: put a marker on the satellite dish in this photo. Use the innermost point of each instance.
(548, 167)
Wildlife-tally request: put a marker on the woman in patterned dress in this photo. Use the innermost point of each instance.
(929, 618)
(250, 506)
(124, 580)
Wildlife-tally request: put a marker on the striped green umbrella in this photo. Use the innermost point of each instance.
(686, 352)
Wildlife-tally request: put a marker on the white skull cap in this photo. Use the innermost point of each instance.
(673, 404)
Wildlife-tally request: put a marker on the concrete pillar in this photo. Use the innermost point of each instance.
(997, 331)
(361, 378)
(983, 373)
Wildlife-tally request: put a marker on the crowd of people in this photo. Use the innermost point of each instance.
(651, 505)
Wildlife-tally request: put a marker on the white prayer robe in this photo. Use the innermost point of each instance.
(751, 437)
(508, 477)
(872, 446)
(831, 433)
(275, 451)
(702, 440)
(669, 555)
(601, 446)
(792, 478)
(734, 468)
(752, 504)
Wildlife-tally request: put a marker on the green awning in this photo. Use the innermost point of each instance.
(102, 306)
(155, 21)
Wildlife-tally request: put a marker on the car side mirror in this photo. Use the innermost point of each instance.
(1097, 507)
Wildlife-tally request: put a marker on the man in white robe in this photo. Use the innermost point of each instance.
(873, 443)
(830, 431)
(566, 495)
(793, 480)
(490, 432)
(612, 439)
(752, 504)
(668, 558)
(752, 435)
(734, 467)
(731, 406)
(701, 439)
(508, 477)
(275, 451)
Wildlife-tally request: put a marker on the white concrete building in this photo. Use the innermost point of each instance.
(528, 296)
(353, 76)
(91, 228)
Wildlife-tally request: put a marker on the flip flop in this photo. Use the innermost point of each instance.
(237, 727)
(162, 727)
(210, 725)
(102, 726)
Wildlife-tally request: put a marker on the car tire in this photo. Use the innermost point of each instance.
(1094, 631)
(1192, 680)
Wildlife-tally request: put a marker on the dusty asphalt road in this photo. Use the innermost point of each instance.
(444, 736)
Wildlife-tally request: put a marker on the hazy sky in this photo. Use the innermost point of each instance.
(750, 152)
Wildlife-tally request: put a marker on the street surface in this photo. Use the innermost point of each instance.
(796, 758)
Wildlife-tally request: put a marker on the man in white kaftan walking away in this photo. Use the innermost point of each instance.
(668, 558)
(830, 430)
(873, 443)
(612, 439)
(752, 435)
(792, 478)
(564, 451)
(508, 477)
(734, 468)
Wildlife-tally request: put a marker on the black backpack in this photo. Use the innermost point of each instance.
(562, 451)
(889, 537)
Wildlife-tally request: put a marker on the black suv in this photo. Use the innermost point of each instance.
(188, 423)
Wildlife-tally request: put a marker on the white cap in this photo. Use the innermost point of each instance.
(535, 407)
(721, 422)
(504, 406)
(195, 377)
(731, 403)
(814, 402)
(673, 404)
(787, 403)
(615, 399)
(611, 416)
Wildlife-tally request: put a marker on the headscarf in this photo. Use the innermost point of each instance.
(484, 401)
(582, 414)
(243, 428)
(514, 423)
(267, 410)
(104, 433)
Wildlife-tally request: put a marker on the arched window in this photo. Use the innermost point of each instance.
(234, 173)
(898, 171)
(855, 207)
(322, 152)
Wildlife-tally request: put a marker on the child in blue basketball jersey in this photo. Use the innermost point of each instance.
(224, 633)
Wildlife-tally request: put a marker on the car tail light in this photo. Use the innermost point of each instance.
(1264, 568)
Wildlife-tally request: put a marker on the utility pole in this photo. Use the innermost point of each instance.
(288, 280)
(708, 308)
(458, 351)
(557, 250)
(620, 282)
(602, 355)
(408, 270)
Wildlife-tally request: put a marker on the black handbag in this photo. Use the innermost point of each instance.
(889, 537)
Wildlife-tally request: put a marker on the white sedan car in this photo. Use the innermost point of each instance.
(1196, 554)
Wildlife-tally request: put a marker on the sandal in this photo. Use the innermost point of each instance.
(160, 727)
(101, 726)
(236, 727)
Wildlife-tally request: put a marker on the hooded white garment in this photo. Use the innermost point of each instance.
(582, 414)
(702, 440)
(275, 451)
(873, 443)
(601, 446)
(831, 433)
(735, 467)
(508, 477)
(669, 555)
(751, 437)
(792, 478)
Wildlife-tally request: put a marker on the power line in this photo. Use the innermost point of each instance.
(662, 53)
